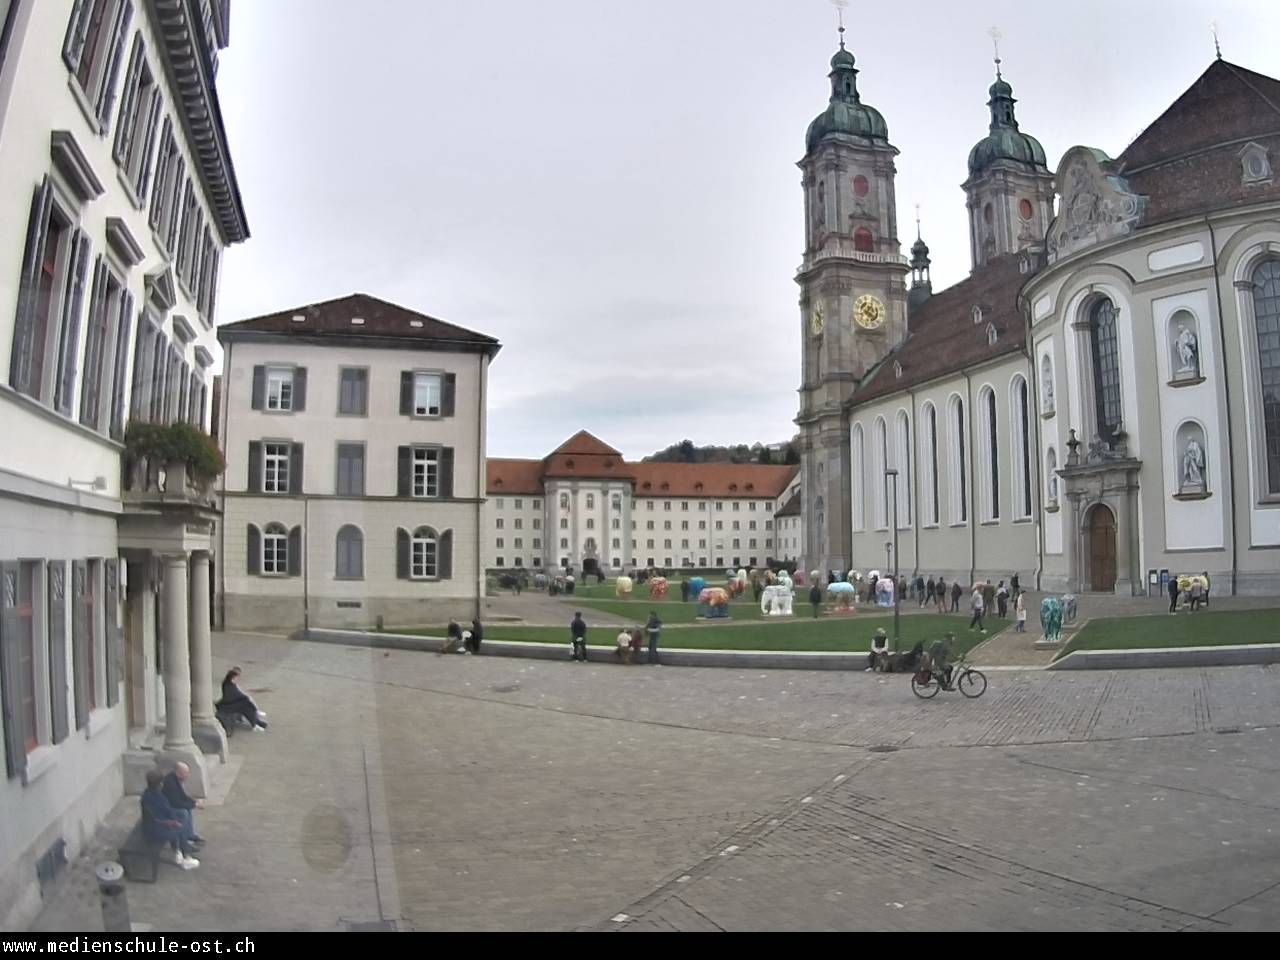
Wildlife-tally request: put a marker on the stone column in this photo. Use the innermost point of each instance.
(205, 728)
(178, 742)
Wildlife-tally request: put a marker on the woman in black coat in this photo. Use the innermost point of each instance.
(235, 702)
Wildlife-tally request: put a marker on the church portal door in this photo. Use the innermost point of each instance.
(1102, 549)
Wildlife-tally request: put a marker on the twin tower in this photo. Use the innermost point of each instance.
(855, 299)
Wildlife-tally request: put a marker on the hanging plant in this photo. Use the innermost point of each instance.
(176, 443)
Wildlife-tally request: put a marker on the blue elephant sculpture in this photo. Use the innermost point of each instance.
(1051, 618)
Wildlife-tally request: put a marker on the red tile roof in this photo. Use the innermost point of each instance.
(381, 319)
(514, 476)
(649, 479)
(584, 442)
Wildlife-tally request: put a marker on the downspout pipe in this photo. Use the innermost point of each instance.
(973, 519)
(1029, 349)
(481, 484)
(1226, 390)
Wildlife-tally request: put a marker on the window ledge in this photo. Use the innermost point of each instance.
(1202, 495)
(990, 523)
(37, 407)
(39, 762)
(962, 523)
(1024, 520)
(349, 579)
(82, 101)
(1186, 382)
(99, 720)
(930, 526)
(129, 191)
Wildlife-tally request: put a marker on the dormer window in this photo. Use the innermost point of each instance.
(977, 314)
(357, 321)
(992, 334)
(1256, 164)
(897, 370)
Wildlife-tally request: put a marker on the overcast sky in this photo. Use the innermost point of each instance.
(610, 189)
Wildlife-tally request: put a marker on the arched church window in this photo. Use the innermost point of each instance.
(863, 241)
(858, 471)
(1106, 369)
(990, 486)
(931, 464)
(988, 214)
(1266, 312)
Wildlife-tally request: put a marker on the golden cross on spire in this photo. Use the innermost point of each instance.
(840, 7)
(996, 36)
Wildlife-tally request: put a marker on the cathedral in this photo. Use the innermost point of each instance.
(1097, 405)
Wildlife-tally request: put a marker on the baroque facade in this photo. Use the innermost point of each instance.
(1098, 402)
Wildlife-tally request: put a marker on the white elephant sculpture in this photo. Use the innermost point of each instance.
(776, 601)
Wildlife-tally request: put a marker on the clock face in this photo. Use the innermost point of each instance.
(817, 321)
(868, 312)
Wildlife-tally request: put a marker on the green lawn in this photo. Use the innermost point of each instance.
(825, 634)
(1201, 629)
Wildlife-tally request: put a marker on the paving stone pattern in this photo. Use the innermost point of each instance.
(450, 792)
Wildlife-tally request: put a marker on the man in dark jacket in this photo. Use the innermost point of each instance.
(920, 589)
(815, 598)
(578, 630)
(161, 823)
(957, 592)
(684, 591)
(174, 791)
(1173, 594)
(654, 629)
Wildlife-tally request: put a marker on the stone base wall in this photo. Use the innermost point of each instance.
(286, 614)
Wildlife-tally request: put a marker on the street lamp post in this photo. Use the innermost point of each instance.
(891, 482)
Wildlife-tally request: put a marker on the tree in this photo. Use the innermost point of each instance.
(688, 452)
(764, 456)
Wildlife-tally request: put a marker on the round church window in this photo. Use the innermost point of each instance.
(860, 186)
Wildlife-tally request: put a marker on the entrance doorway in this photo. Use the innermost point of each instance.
(1101, 533)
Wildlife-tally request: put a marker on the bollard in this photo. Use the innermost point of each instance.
(115, 900)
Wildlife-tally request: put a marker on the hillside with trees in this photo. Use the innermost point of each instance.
(686, 452)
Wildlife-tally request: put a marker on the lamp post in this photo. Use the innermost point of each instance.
(891, 482)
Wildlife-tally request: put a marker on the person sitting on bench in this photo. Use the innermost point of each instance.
(235, 702)
(879, 651)
(161, 823)
(176, 794)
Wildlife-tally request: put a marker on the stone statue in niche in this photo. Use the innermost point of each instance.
(1053, 487)
(1047, 389)
(1188, 349)
(1193, 467)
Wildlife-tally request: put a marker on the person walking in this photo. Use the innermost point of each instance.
(815, 598)
(930, 588)
(920, 587)
(1205, 599)
(1002, 600)
(654, 629)
(578, 631)
(989, 596)
(1173, 594)
(1013, 584)
(1020, 612)
(957, 592)
(940, 594)
(978, 605)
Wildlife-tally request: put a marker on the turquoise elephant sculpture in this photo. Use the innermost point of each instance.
(1051, 618)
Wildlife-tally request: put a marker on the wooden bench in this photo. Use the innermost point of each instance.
(139, 850)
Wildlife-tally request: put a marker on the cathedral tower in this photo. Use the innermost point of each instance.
(852, 296)
(1010, 189)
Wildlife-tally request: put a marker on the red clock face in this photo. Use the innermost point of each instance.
(860, 186)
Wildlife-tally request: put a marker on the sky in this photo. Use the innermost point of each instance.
(611, 189)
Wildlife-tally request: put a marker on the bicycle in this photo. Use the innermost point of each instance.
(925, 682)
